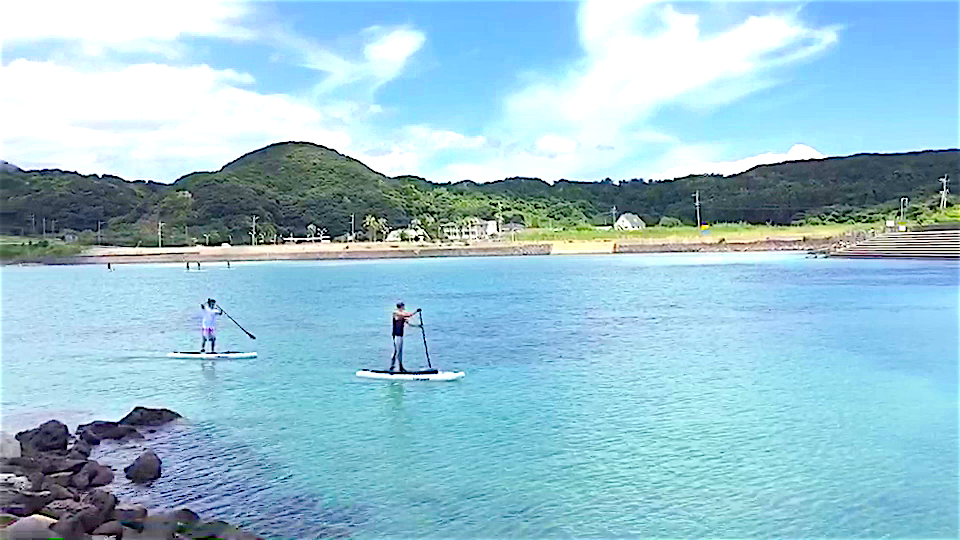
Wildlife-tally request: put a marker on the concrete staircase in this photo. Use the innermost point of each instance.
(944, 244)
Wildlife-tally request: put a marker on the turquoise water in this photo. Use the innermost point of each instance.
(681, 396)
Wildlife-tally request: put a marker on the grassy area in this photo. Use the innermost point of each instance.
(730, 232)
(20, 249)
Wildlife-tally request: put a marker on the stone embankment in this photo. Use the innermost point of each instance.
(937, 244)
(50, 488)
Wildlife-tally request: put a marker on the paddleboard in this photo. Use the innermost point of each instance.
(226, 355)
(428, 375)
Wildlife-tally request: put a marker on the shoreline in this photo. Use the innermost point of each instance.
(389, 250)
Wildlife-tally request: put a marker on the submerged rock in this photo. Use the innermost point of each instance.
(142, 416)
(50, 436)
(100, 429)
(144, 469)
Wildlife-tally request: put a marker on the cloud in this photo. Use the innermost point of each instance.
(638, 58)
(148, 120)
(124, 26)
(797, 152)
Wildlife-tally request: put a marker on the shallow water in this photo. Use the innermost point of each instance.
(682, 396)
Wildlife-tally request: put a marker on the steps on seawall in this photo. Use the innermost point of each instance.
(936, 244)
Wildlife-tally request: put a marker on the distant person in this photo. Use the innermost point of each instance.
(208, 325)
(400, 319)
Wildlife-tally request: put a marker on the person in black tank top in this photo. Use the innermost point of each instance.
(400, 319)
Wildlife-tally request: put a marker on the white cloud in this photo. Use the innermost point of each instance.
(147, 121)
(797, 152)
(122, 25)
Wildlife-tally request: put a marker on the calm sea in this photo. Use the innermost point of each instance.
(656, 396)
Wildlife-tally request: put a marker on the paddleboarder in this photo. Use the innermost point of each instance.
(208, 324)
(400, 319)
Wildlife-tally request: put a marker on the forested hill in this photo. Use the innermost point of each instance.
(290, 186)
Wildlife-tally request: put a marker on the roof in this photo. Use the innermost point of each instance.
(632, 219)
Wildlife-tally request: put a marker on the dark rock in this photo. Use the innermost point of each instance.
(25, 503)
(81, 480)
(158, 527)
(55, 465)
(60, 479)
(63, 508)
(50, 436)
(89, 438)
(70, 528)
(145, 469)
(101, 477)
(104, 500)
(110, 528)
(24, 463)
(107, 430)
(129, 514)
(185, 515)
(90, 518)
(36, 480)
(210, 529)
(142, 416)
(59, 492)
(80, 450)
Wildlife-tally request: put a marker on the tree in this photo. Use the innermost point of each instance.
(372, 225)
(311, 230)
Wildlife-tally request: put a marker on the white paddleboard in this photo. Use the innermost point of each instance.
(429, 375)
(227, 355)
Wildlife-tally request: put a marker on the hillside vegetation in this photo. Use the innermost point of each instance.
(293, 186)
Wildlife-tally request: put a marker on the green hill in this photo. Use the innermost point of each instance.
(290, 186)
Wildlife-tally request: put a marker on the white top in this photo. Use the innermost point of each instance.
(210, 317)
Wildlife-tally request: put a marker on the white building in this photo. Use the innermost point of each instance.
(471, 229)
(629, 222)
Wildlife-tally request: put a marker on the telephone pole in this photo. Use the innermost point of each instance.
(613, 216)
(697, 203)
(98, 232)
(44, 227)
(253, 230)
(353, 231)
(159, 234)
(904, 201)
(33, 224)
(943, 192)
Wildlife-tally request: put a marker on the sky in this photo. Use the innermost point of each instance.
(457, 90)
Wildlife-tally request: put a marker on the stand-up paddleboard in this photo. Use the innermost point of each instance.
(226, 355)
(427, 375)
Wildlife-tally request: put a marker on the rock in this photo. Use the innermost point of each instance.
(107, 430)
(51, 466)
(185, 515)
(70, 528)
(110, 528)
(144, 469)
(25, 503)
(15, 482)
(81, 480)
(61, 493)
(9, 446)
(127, 515)
(6, 519)
(89, 437)
(101, 477)
(158, 527)
(36, 480)
(104, 500)
(50, 436)
(210, 529)
(80, 450)
(32, 528)
(60, 479)
(142, 416)
(63, 508)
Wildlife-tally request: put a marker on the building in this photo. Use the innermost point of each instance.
(408, 234)
(629, 222)
(470, 229)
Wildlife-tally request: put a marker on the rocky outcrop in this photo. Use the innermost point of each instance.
(50, 493)
(49, 437)
(145, 468)
(142, 416)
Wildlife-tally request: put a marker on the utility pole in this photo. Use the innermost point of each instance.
(697, 203)
(33, 224)
(159, 234)
(253, 230)
(186, 235)
(98, 232)
(53, 227)
(943, 192)
(613, 216)
(353, 232)
(904, 201)
(44, 227)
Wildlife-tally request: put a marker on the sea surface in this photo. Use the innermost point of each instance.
(656, 396)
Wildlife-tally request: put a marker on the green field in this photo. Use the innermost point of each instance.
(729, 232)
(29, 249)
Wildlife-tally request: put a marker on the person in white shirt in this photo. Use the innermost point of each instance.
(208, 325)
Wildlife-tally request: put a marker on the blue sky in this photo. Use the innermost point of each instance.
(480, 91)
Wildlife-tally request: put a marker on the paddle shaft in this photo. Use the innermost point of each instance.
(236, 323)
(424, 334)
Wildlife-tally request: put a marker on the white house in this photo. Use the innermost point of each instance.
(472, 229)
(629, 222)
(409, 233)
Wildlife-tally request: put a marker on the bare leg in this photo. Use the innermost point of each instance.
(213, 344)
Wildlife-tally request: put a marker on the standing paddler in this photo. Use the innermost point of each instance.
(400, 319)
(208, 324)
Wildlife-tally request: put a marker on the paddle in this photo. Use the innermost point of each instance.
(236, 323)
(424, 334)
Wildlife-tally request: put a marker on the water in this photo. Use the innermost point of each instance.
(681, 396)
